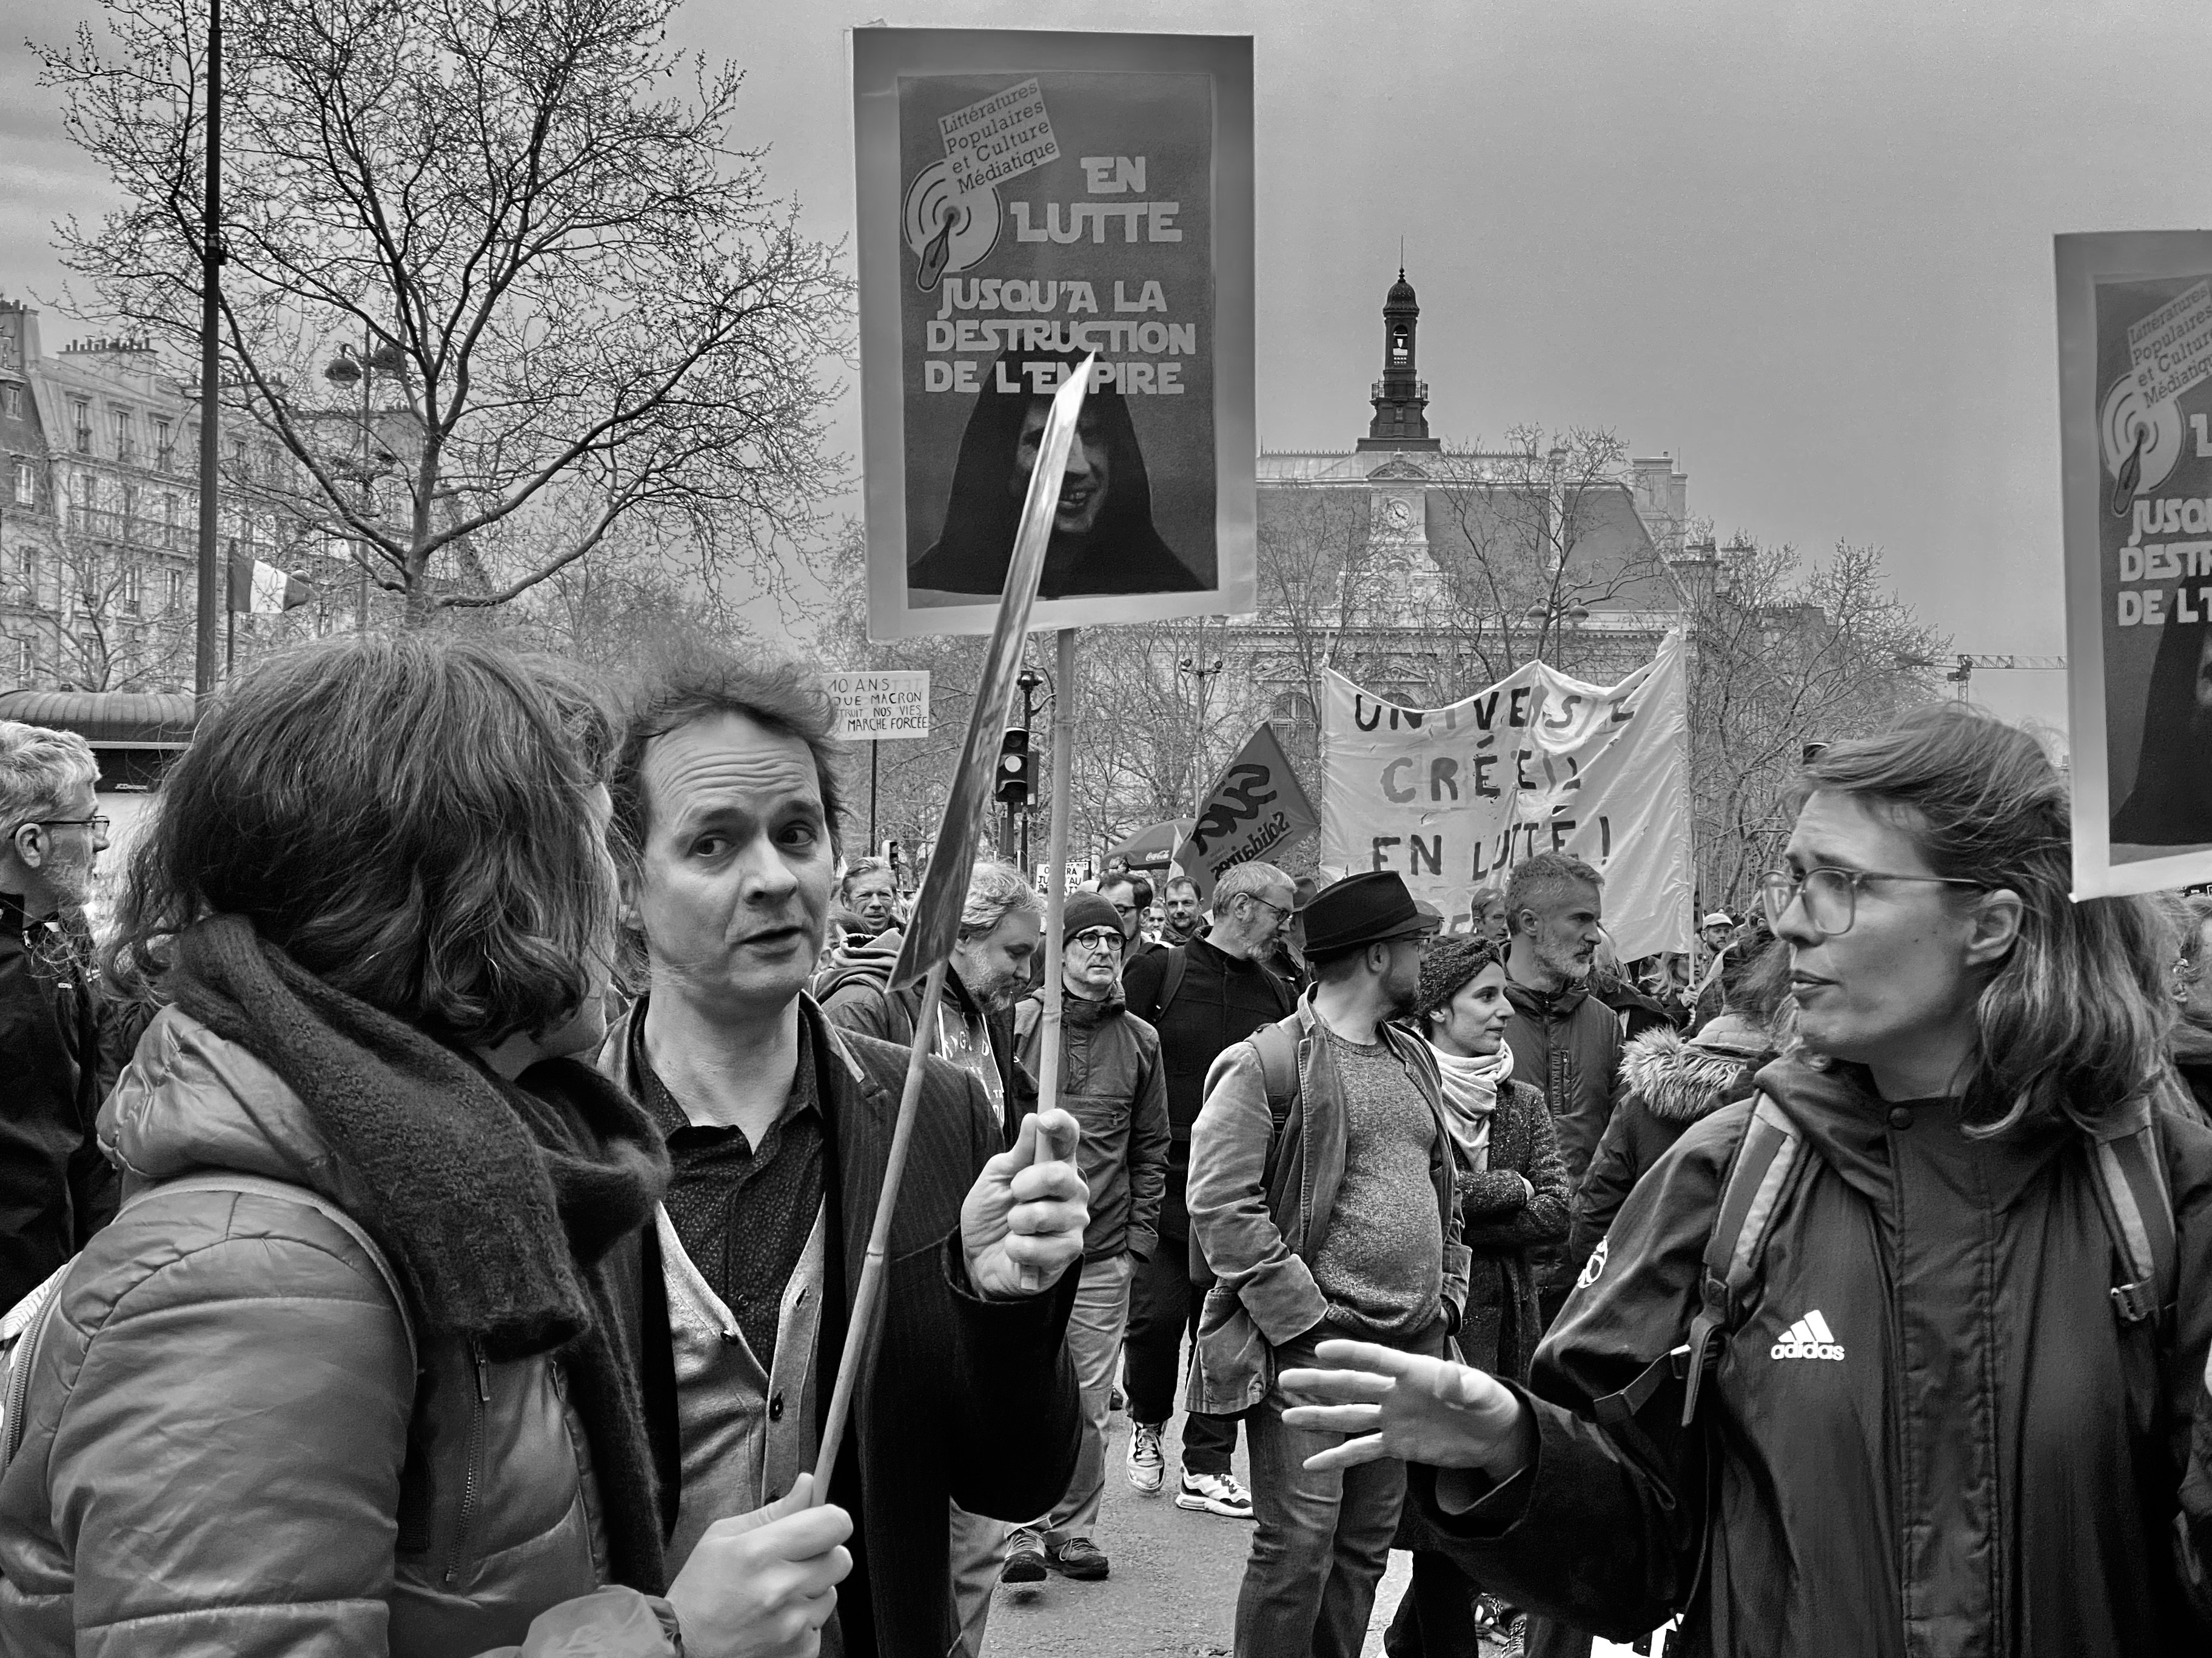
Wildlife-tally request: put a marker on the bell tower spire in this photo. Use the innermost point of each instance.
(1401, 396)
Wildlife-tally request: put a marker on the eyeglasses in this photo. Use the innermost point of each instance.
(1282, 910)
(1124, 910)
(97, 825)
(1098, 938)
(1831, 896)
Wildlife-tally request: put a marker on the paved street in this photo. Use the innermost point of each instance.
(1174, 1586)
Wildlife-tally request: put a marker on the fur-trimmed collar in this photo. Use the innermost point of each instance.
(1682, 1081)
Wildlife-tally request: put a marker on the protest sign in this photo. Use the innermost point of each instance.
(1025, 198)
(1254, 807)
(879, 705)
(1452, 797)
(2135, 386)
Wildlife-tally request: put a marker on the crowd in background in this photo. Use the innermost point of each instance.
(432, 1217)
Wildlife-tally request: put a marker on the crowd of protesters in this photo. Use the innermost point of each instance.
(431, 1216)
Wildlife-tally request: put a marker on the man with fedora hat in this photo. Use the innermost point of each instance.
(1322, 1191)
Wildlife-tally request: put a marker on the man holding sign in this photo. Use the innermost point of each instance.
(779, 1129)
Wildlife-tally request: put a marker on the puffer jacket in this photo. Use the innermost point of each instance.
(1970, 1457)
(1666, 1085)
(225, 1449)
(1112, 1080)
(1568, 1045)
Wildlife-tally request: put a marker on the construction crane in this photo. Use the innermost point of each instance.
(1968, 661)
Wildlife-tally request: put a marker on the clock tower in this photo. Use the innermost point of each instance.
(1401, 396)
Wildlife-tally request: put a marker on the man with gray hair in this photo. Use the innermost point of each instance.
(1203, 996)
(56, 1188)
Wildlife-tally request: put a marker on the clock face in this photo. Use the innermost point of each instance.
(1401, 514)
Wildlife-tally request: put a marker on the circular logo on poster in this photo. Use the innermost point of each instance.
(2141, 439)
(948, 229)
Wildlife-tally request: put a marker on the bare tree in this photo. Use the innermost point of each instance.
(1780, 658)
(580, 307)
(1537, 535)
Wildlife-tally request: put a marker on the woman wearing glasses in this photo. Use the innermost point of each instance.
(1111, 1078)
(1919, 1411)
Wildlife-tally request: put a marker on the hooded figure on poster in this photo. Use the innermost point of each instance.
(1103, 540)
(2171, 804)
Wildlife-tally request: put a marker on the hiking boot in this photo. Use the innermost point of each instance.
(1147, 1464)
(1025, 1560)
(1078, 1558)
(1214, 1493)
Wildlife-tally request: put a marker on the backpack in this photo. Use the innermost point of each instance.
(1763, 1180)
(24, 1327)
(1277, 1047)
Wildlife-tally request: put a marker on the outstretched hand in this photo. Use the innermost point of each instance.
(1407, 1407)
(1021, 1226)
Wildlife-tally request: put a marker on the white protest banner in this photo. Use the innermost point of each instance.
(1255, 805)
(1025, 197)
(2135, 401)
(1452, 797)
(877, 704)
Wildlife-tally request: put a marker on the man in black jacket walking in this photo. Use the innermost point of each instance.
(779, 1125)
(1221, 995)
(56, 1189)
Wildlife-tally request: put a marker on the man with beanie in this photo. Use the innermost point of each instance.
(1343, 1221)
(1111, 1080)
(1203, 998)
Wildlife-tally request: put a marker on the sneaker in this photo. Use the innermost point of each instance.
(1078, 1558)
(1500, 1629)
(1214, 1493)
(1025, 1560)
(1147, 1464)
(1116, 1400)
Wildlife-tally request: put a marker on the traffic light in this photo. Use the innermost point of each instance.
(1017, 770)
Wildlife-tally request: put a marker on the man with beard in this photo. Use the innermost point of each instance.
(1111, 1080)
(779, 1126)
(56, 1189)
(1343, 1221)
(1185, 921)
(999, 925)
(1564, 1040)
(1102, 537)
(1131, 895)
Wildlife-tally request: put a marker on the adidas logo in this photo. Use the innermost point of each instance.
(1808, 1338)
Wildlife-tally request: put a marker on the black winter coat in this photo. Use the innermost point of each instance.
(56, 1188)
(1666, 1085)
(1501, 1224)
(1567, 1045)
(1977, 1461)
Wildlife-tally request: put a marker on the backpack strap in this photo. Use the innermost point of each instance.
(1170, 982)
(2137, 1206)
(1769, 1163)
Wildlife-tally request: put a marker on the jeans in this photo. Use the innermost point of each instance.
(1321, 1539)
(1094, 1341)
(1163, 1309)
(978, 1551)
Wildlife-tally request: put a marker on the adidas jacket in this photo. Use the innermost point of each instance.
(1930, 1437)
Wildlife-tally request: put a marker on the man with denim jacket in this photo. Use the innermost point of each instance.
(1340, 1220)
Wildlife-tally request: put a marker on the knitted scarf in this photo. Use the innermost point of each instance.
(1471, 1086)
(496, 1203)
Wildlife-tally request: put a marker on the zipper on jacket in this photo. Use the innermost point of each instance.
(19, 1381)
(472, 1482)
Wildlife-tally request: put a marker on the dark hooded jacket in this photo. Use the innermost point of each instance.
(1567, 1044)
(854, 990)
(1978, 1461)
(1122, 554)
(1112, 1081)
(1666, 1085)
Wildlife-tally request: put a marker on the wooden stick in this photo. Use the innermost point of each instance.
(1055, 898)
(860, 1331)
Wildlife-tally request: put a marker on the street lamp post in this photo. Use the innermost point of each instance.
(347, 368)
(210, 572)
(1028, 680)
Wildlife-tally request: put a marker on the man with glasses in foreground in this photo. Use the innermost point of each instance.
(1204, 998)
(1111, 1079)
(56, 1189)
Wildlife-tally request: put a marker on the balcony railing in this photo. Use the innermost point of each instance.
(103, 524)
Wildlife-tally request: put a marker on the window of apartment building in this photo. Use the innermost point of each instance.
(134, 588)
(173, 590)
(165, 444)
(169, 522)
(26, 485)
(119, 421)
(81, 425)
(11, 401)
(22, 655)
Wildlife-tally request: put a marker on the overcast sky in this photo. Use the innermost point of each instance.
(1804, 248)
